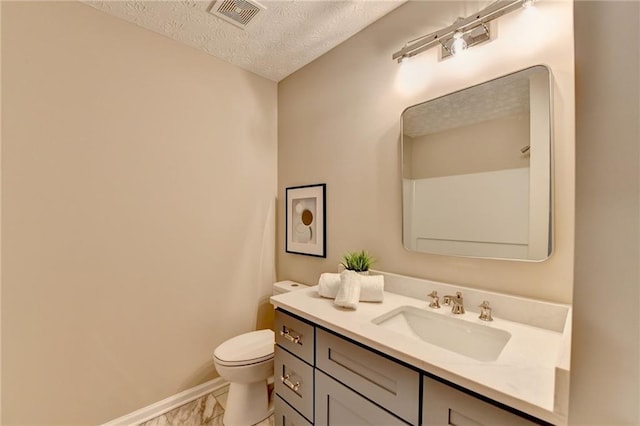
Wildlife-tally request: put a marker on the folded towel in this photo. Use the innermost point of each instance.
(349, 291)
(371, 287)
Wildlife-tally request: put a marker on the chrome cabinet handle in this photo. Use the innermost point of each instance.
(290, 337)
(288, 383)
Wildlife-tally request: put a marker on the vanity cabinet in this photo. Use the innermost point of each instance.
(445, 405)
(378, 378)
(336, 405)
(293, 370)
(285, 415)
(296, 336)
(325, 379)
(294, 382)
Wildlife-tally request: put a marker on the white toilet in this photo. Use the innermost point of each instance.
(246, 362)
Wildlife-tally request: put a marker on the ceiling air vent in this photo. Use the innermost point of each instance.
(238, 12)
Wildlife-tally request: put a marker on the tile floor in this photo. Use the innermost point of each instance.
(206, 410)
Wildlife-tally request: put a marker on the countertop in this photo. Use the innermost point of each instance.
(522, 377)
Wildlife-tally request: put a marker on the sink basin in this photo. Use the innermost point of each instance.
(476, 341)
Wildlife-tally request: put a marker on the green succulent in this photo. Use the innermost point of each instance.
(357, 261)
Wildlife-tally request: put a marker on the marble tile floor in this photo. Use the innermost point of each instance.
(207, 410)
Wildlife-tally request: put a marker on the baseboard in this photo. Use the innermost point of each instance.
(159, 408)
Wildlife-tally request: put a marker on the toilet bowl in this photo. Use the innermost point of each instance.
(246, 362)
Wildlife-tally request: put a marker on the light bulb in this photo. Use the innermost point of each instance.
(527, 3)
(458, 44)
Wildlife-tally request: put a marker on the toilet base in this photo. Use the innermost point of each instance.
(247, 404)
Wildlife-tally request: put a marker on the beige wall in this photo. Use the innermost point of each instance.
(605, 365)
(339, 123)
(138, 195)
(116, 190)
(1, 316)
(481, 147)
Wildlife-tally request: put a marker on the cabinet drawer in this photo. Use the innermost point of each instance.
(444, 405)
(295, 335)
(338, 405)
(294, 382)
(284, 415)
(387, 383)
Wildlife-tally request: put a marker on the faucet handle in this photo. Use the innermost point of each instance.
(435, 300)
(485, 311)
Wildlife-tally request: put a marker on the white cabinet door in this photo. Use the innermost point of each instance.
(337, 405)
(444, 405)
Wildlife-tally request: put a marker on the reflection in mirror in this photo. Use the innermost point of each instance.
(476, 170)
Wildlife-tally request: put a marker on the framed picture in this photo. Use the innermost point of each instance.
(305, 220)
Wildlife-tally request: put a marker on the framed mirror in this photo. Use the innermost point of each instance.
(476, 170)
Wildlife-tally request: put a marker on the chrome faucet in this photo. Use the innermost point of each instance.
(435, 300)
(456, 303)
(485, 311)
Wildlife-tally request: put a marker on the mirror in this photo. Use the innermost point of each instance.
(476, 170)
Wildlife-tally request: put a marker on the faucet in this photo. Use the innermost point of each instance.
(435, 300)
(485, 311)
(457, 306)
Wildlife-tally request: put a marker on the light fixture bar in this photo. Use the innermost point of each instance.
(489, 13)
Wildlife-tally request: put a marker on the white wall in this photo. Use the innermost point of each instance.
(339, 123)
(458, 214)
(605, 354)
(138, 196)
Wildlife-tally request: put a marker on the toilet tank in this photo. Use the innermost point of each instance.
(286, 286)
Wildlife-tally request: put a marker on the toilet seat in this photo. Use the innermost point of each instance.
(246, 349)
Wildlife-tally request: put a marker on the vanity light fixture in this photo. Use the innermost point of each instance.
(463, 33)
(458, 44)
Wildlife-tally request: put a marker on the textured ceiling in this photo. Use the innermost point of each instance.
(504, 97)
(283, 38)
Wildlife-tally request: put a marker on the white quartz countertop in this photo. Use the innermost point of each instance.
(523, 376)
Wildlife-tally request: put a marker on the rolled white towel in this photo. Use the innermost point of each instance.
(349, 291)
(371, 287)
(328, 285)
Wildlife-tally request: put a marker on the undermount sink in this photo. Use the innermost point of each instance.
(476, 341)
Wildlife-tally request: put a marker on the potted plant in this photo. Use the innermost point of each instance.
(358, 261)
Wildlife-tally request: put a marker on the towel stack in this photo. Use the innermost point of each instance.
(349, 287)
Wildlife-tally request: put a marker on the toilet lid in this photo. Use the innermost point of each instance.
(248, 348)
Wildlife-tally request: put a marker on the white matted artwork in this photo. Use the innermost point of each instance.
(305, 220)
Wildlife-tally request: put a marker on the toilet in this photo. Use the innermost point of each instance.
(246, 362)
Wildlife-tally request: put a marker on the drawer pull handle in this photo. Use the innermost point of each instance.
(288, 383)
(290, 337)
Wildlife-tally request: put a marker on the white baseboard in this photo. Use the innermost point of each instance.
(159, 408)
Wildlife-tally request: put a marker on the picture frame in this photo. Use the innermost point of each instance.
(305, 220)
